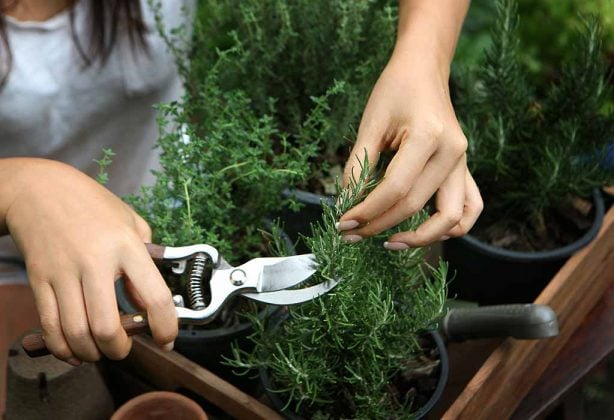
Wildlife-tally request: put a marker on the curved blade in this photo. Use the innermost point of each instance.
(286, 272)
(291, 297)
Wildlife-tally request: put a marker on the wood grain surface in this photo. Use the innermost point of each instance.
(516, 366)
(171, 371)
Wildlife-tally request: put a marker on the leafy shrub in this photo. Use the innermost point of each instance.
(291, 58)
(547, 32)
(223, 168)
(532, 149)
(338, 356)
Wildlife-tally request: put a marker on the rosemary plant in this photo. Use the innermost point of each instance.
(532, 150)
(340, 355)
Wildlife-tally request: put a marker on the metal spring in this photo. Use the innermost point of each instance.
(195, 285)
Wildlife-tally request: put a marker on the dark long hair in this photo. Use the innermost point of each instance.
(107, 19)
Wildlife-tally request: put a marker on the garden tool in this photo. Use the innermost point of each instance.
(523, 321)
(212, 281)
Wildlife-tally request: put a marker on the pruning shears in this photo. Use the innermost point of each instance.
(212, 281)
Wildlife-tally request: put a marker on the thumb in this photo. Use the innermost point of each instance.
(369, 144)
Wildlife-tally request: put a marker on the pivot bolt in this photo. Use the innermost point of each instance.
(238, 277)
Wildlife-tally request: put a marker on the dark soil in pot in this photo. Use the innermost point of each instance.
(421, 381)
(491, 274)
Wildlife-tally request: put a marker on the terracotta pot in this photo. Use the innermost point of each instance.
(160, 405)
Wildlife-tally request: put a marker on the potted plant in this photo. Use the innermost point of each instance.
(537, 154)
(313, 63)
(359, 351)
(221, 175)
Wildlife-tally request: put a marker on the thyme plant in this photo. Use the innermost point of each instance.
(222, 169)
(296, 59)
(531, 150)
(341, 355)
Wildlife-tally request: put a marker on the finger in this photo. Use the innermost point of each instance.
(400, 176)
(103, 315)
(369, 141)
(49, 314)
(73, 317)
(133, 294)
(156, 296)
(427, 184)
(142, 227)
(450, 201)
(473, 207)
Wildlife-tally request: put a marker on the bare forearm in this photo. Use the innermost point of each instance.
(11, 171)
(431, 29)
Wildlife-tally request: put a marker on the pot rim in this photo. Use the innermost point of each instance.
(551, 254)
(167, 396)
(422, 411)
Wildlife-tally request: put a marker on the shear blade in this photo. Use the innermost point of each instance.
(287, 272)
(291, 297)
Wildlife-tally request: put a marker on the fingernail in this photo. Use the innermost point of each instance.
(346, 225)
(351, 238)
(395, 246)
(445, 237)
(73, 361)
(168, 346)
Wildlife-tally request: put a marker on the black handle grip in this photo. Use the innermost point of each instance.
(522, 321)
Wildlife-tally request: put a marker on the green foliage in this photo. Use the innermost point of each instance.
(223, 168)
(309, 64)
(103, 164)
(547, 32)
(532, 148)
(336, 357)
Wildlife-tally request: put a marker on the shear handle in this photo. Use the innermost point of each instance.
(34, 343)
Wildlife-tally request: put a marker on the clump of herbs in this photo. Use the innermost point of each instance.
(308, 64)
(340, 355)
(221, 173)
(533, 150)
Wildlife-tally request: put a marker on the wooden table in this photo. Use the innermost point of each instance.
(527, 379)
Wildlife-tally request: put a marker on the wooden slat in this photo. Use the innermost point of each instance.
(515, 366)
(172, 371)
(590, 345)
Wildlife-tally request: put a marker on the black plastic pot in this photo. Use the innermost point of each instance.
(492, 275)
(520, 321)
(297, 223)
(442, 380)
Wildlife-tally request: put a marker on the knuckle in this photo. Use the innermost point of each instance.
(478, 206)
(458, 145)
(412, 207)
(105, 331)
(77, 332)
(143, 227)
(119, 353)
(160, 300)
(396, 188)
(452, 217)
(49, 324)
(432, 128)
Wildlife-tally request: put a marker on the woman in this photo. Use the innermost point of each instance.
(84, 75)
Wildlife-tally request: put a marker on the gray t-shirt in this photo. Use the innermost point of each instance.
(51, 107)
